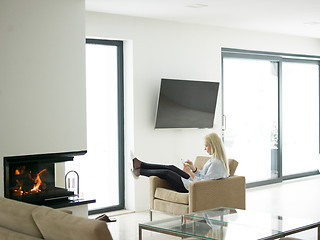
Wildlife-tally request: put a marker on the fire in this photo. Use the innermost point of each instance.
(19, 171)
(37, 182)
(26, 184)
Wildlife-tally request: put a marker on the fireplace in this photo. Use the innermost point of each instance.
(33, 178)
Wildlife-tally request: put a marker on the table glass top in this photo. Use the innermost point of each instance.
(228, 223)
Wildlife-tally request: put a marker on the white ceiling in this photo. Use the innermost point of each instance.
(297, 17)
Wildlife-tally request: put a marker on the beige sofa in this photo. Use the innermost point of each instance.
(205, 194)
(20, 220)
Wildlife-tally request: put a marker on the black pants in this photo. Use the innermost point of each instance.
(168, 172)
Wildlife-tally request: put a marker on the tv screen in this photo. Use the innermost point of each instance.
(186, 104)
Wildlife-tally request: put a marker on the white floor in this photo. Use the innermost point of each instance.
(293, 198)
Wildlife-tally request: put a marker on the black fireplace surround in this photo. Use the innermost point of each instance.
(31, 178)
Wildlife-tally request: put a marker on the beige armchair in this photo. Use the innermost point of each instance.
(205, 194)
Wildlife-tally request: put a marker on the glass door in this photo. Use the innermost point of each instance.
(250, 108)
(300, 118)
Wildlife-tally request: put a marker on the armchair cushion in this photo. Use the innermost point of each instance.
(170, 207)
(172, 196)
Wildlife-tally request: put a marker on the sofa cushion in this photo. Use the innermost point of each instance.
(17, 217)
(6, 234)
(57, 225)
(172, 196)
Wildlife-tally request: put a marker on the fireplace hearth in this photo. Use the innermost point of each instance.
(32, 178)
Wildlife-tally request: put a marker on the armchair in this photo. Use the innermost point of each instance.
(205, 194)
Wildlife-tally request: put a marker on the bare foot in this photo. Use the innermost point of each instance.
(136, 163)
(135, 173)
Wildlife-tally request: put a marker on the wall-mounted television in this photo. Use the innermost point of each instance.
(186, 104)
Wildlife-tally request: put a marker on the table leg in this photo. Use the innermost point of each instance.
(140, 233)
(318, 232)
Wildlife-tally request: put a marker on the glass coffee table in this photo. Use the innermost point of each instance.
(230, 224)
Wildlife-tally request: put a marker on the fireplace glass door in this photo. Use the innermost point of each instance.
(32, 179)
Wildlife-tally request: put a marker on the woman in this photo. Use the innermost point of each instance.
(215, 168)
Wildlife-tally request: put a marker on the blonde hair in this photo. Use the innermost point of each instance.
(217, 149)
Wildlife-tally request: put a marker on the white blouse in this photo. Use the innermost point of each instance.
(213, 169)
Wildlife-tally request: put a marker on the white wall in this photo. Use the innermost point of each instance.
(174, 50)
(42, 77)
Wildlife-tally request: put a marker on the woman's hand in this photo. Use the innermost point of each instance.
(187, 169)
(190, 165)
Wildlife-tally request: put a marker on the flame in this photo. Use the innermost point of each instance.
(19, 191)
(38, 184)
(19, 170)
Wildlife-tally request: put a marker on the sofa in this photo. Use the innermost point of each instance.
(19, 220)
(203, 195)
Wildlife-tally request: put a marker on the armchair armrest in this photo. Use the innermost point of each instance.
(154, 183)
(227, 192)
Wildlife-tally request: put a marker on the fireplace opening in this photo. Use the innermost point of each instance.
(32, 178)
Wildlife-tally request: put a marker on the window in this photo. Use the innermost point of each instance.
(101, 169)
(300, 127)
(251, 110)
(271, 114)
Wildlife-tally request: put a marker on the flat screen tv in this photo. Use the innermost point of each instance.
(186, 104)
